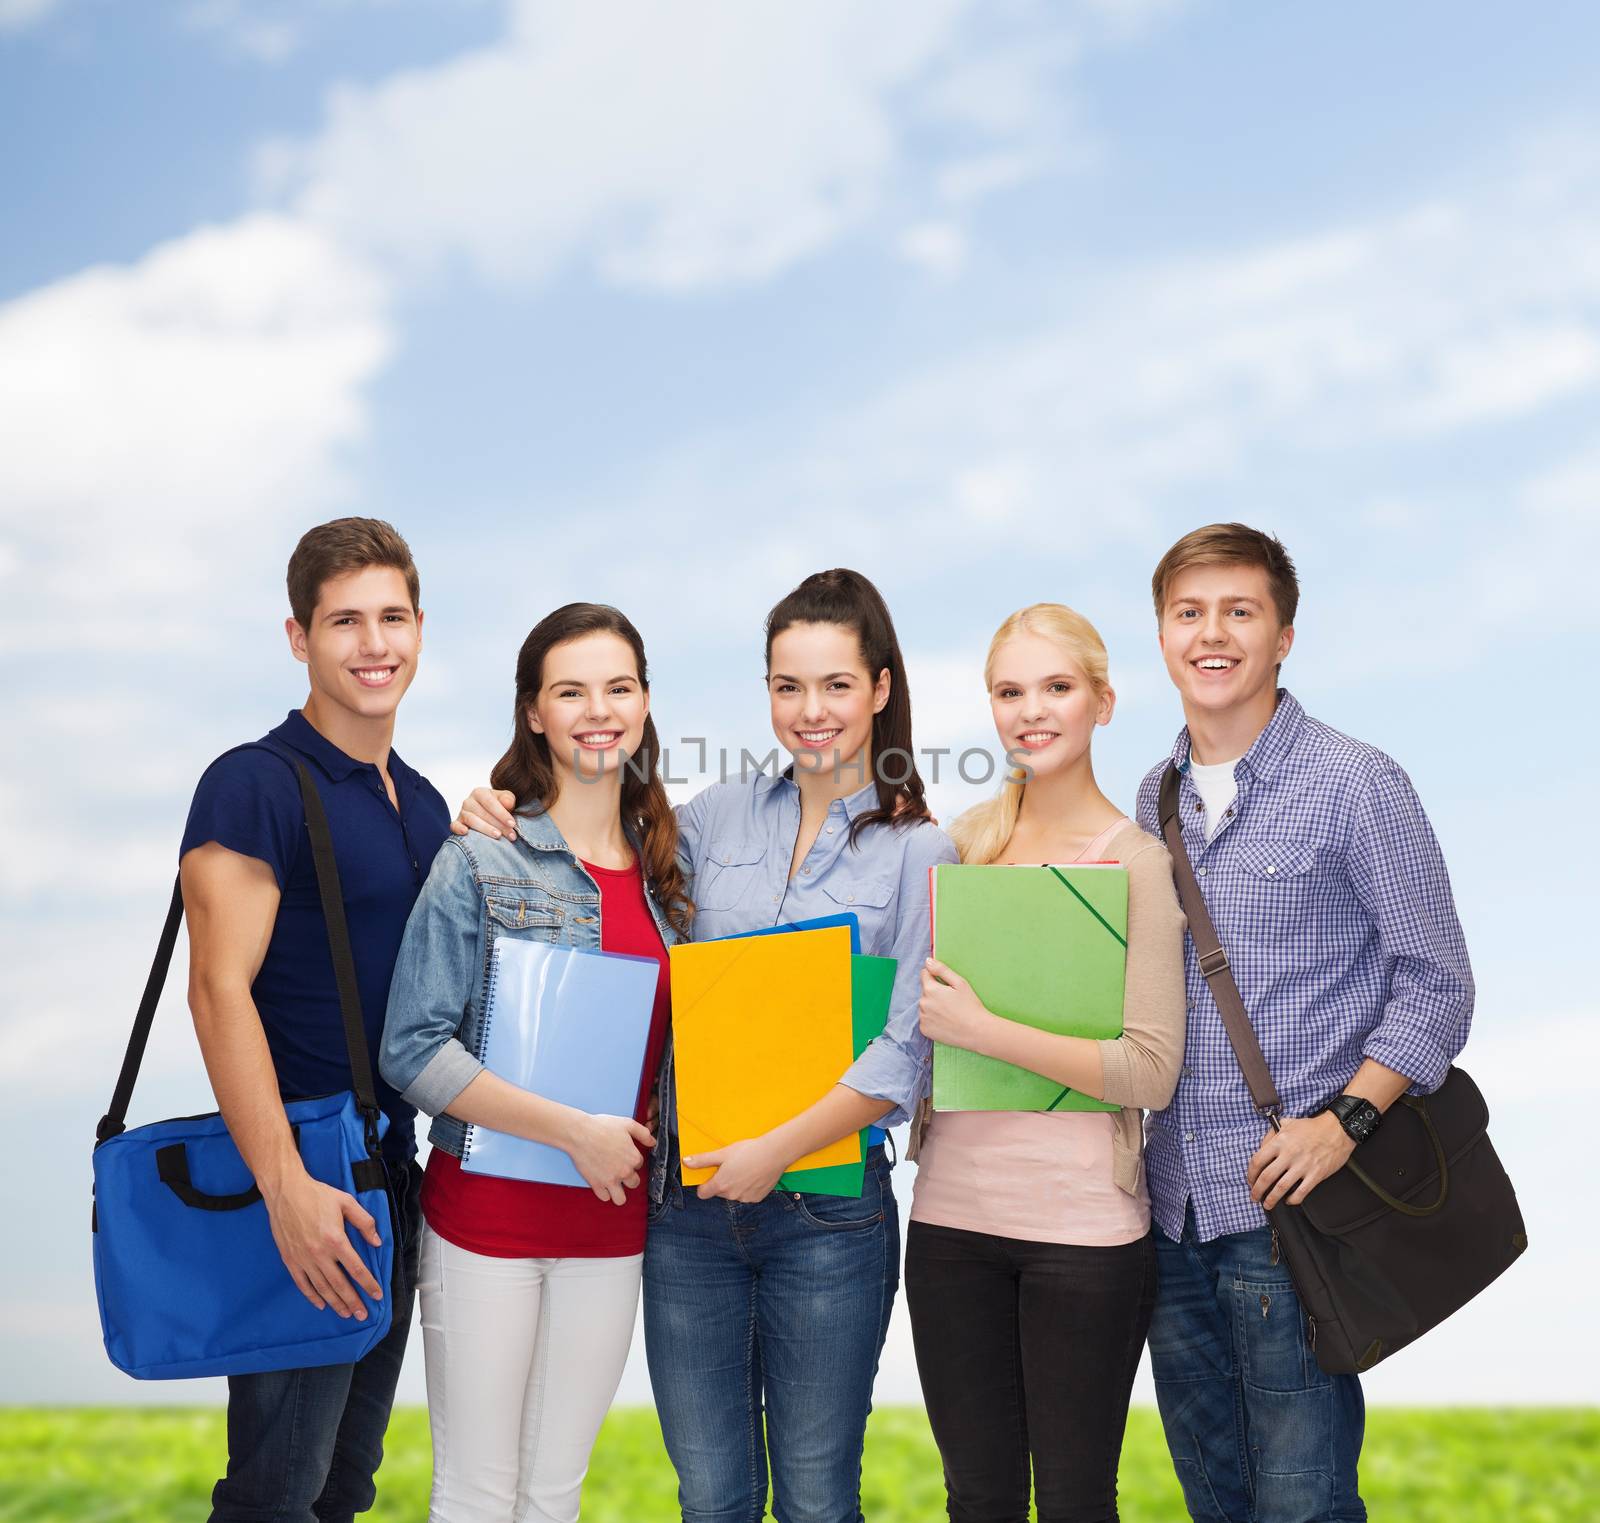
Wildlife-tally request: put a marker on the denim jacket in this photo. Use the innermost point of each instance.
(478, 890)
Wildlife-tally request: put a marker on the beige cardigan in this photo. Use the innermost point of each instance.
(1141, 1066)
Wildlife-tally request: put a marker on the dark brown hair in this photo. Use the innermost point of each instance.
(1231, 545)
(337, 549)
(849, 599)
(527, 770)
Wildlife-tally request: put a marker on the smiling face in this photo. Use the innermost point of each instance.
(1045, 707)
(361, 643)
(1221, 638)
(823, 698)
(591, 706)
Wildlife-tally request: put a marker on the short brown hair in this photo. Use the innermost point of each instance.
(1231, 545)
(338, 548)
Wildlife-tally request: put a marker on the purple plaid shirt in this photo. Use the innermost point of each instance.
(1331, 899)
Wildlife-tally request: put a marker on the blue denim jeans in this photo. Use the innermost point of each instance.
(1258, 1433)
(777, 1308)
(304, 1445)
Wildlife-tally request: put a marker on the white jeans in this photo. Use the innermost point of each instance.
(523, 1357)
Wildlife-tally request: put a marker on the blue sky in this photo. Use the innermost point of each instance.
(667, 306)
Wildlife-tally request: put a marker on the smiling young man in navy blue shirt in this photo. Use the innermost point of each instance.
(304, 1444)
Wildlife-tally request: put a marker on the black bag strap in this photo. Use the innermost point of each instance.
(113, 1121)
(1214, 961)
(344, 962)
(1236, 1020)
(344, 972)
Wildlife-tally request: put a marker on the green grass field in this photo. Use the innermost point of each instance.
(156, 1466)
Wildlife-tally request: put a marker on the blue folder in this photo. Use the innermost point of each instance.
(822, 923)
(570, 1025)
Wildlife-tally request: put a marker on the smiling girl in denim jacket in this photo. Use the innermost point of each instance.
(529, 1290)
(765, 1311)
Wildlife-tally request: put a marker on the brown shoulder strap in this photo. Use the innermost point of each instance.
(1214, 961)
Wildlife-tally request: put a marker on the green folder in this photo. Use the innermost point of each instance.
(1046, 946)
(871, 986)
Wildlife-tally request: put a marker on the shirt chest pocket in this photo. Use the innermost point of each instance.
(1275, 885)
(871, 901)
(526, 910)
(730, 874)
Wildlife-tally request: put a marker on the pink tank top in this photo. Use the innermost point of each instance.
(1044, 1177)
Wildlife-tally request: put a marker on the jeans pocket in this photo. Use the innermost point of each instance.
(1288, 1403)
(1273, 1349)
(841, 1213)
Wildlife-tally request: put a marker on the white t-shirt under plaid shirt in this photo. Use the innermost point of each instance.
(1331, 899)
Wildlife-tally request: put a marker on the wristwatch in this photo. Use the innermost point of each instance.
(1359, 1118)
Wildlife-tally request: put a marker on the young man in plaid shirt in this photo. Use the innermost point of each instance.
(1331, 899)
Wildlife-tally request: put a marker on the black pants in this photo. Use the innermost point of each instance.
(1027, 1351)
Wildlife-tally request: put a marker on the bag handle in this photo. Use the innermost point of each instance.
(172, 1168)
(1214, 961)
(344, 972)
(1394, 1203)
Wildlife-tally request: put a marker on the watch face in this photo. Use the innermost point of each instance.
(1363, 1120)
(1358, 1117)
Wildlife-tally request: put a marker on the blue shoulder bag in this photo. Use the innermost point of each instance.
(189, 1279)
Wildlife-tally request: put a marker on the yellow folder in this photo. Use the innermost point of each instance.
(761, 1029)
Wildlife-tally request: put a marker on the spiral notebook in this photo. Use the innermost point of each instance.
(571, 1025)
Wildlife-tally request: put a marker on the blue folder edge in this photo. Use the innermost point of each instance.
(823, 923)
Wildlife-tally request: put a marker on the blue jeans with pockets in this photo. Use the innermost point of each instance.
(304, 1445)
(1258, 1433)
(763, 1325)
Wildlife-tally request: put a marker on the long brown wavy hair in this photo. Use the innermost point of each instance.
(846, 597)
(527, 770)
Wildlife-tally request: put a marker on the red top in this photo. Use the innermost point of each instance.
(524, 1219)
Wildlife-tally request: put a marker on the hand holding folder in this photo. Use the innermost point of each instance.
(571, 1025)
(1046, 946)
(762, 1029)
(871, 989)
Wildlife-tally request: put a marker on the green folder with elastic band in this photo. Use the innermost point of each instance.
(871, 988)
(1046, 946)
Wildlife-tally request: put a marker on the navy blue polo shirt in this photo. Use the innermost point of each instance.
(249, 801)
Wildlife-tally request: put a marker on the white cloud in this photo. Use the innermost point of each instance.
(1567, 495)
(17, 14)
(997, 491)
(1506, 374)
(1176, 376)
(686, 145)
(243, 29)
(967, 179)
(158, 417)
(939, 248)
